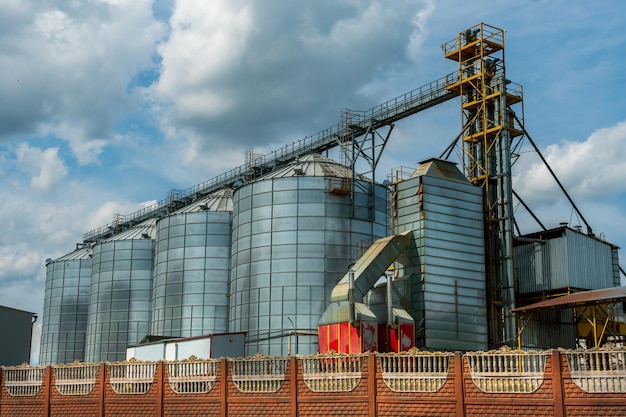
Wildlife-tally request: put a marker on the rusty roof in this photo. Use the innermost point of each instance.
(583, 298)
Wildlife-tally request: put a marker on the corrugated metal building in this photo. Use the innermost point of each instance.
(564, 258)
(447, 288)
(557, 262)
(15, 349)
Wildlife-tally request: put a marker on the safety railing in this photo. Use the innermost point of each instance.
(388, 112)
(598, 371)
(414, 371)
(193, 376)
(23, 381)
(132, 377)
(258, 373)
(507, 371)
(75, 379)
(332, 373)
(480, 32)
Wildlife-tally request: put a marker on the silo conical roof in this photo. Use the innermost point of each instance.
(221, 200)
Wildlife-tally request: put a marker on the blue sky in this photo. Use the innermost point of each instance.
(109, 104)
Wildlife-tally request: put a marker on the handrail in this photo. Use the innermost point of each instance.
(360, 123)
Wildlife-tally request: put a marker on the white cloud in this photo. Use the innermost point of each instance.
(591, 169)
(44, 166)
(242, 74)
(69, 64)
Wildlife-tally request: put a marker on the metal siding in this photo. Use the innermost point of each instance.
(590, 262)
(202, 305)
(120, 296)
(64, 321)
(571, 260)
(17, 326)
(449, 292)
(287, 272)
(550, 330)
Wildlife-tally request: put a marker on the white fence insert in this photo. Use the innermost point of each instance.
(414, 371)
(192, 377)
(598, 371)
(507, 371)
(258, 373)
(131, 377)
(75, 379)
(23, 381)
(332, 373)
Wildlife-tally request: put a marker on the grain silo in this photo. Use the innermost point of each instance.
(121, 284)
(447, 289)
(295, 232)
(66, 304)
(191, 269)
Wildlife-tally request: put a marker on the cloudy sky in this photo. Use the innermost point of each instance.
(109, 104)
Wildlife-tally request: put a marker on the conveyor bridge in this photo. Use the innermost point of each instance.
(359, 124)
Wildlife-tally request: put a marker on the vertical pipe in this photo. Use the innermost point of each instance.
(390, 320)
(351, 296)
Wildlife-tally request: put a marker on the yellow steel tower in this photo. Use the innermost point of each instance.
(488, 128)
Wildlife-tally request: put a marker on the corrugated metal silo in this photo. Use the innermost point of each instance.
(192, 267)
(295, 232)
(121, 286)
(66, 304)
(447, 290)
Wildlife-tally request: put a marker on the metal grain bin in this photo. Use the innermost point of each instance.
(66, 303)
(295, 232)
(192, 267)
(121, 285)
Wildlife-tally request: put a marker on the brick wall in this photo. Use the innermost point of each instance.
(503, 383)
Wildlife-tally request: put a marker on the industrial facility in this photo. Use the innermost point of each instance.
(306, 250)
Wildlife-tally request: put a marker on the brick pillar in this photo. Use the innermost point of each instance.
(293, 377)
(459, 389)
(47, 377)
(101, 395)
(224, 387)
(371, 384)
(160, 374)
(557, 384)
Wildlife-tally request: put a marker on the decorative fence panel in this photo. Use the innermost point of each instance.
(598, 371)
(477, 384)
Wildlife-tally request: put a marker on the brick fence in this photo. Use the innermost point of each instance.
(498, 383)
